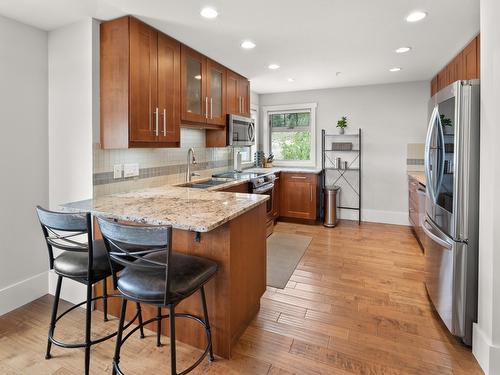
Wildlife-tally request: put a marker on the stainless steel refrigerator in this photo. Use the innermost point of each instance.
(451, 207)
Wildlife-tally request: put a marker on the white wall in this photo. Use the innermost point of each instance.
(71, 113)
(391, 116)
(486, 339)
(23, 162)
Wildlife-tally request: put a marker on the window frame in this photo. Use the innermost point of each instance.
(267, 110)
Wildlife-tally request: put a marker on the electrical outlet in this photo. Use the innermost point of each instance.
(117, 171)
(130, 170)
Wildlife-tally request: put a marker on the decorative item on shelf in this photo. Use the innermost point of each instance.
(341, 146)
(338, 163)
(449, 148)
(346, 165)
(342, 124)
(447, 124)
(259, 159)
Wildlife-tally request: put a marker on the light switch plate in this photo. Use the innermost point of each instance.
(130, 170)
(117, 171)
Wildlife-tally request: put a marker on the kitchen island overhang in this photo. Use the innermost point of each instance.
(228, 228)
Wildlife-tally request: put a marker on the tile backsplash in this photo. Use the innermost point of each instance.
(415, 157)
(158, 166)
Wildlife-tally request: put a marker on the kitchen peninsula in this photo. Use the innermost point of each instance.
(228, 228)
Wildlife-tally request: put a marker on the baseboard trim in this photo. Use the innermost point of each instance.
(377, 216)
(487, 354)
(23, 292)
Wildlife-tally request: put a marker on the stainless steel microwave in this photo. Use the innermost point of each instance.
(241, 131)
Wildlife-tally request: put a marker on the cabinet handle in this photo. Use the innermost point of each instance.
(211, 109)
(156, 120)
(311, 193)
(243, 104)
(206, 106)
(165, 122)
(299, 177)
(239, 104)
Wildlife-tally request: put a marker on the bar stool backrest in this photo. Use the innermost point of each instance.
(129, 246)
(63, 231)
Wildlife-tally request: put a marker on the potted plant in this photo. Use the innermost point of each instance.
(447, 124)
(342, 124)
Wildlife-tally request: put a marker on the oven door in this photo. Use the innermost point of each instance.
(241, 131)
(267, 189)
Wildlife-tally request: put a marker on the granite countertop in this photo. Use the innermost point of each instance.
(196, 210)
(419, 176)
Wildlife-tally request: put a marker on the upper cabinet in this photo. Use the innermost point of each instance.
(238, 94)
(464, 66)
(151, 85)
(203, 89)
(140, 86)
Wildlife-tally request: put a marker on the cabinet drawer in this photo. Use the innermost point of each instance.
(305, 177)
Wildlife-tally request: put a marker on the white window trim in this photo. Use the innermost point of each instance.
(267, 133)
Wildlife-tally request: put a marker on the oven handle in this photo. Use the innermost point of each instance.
(263, 189)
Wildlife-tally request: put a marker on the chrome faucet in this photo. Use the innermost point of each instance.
(191, 159)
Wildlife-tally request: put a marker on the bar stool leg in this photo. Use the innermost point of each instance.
(54, 316)
(207, 323)
(173, 366)
(116, 358)
(88, 321)
(158, 327)
(105, 299)
(139, 313)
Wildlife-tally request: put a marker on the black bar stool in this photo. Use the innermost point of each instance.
(83, 260)
(155, 275)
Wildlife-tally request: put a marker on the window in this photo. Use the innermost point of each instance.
(291, 134)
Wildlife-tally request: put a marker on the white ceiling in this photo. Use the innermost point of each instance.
(311, 40)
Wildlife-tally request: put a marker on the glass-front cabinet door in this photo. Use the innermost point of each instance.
(216, 81)
(194, 100)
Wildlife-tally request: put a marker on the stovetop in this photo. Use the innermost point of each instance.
(240, 175)
(256, 179)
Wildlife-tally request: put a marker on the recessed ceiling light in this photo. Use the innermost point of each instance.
(274, 66)
(395, 69)
(403, 49)
(248, 44)
(416, 16)
(290, 80)
(209, 12)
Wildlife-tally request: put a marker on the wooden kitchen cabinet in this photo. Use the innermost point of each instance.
(194, 99)
(216, 91)
(238, 94)
(298, 195)
(464, 66)
(203, 89)
(140, 86)
(470, 60)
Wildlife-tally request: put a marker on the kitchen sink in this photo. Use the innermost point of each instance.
(206, 184)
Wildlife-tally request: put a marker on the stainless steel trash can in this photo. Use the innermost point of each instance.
(332, 195)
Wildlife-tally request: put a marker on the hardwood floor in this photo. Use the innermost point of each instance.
(356, 304)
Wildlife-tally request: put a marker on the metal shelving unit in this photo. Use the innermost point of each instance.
(354, 166)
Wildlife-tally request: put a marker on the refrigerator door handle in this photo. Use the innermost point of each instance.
(428, 174)
(428, 230)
